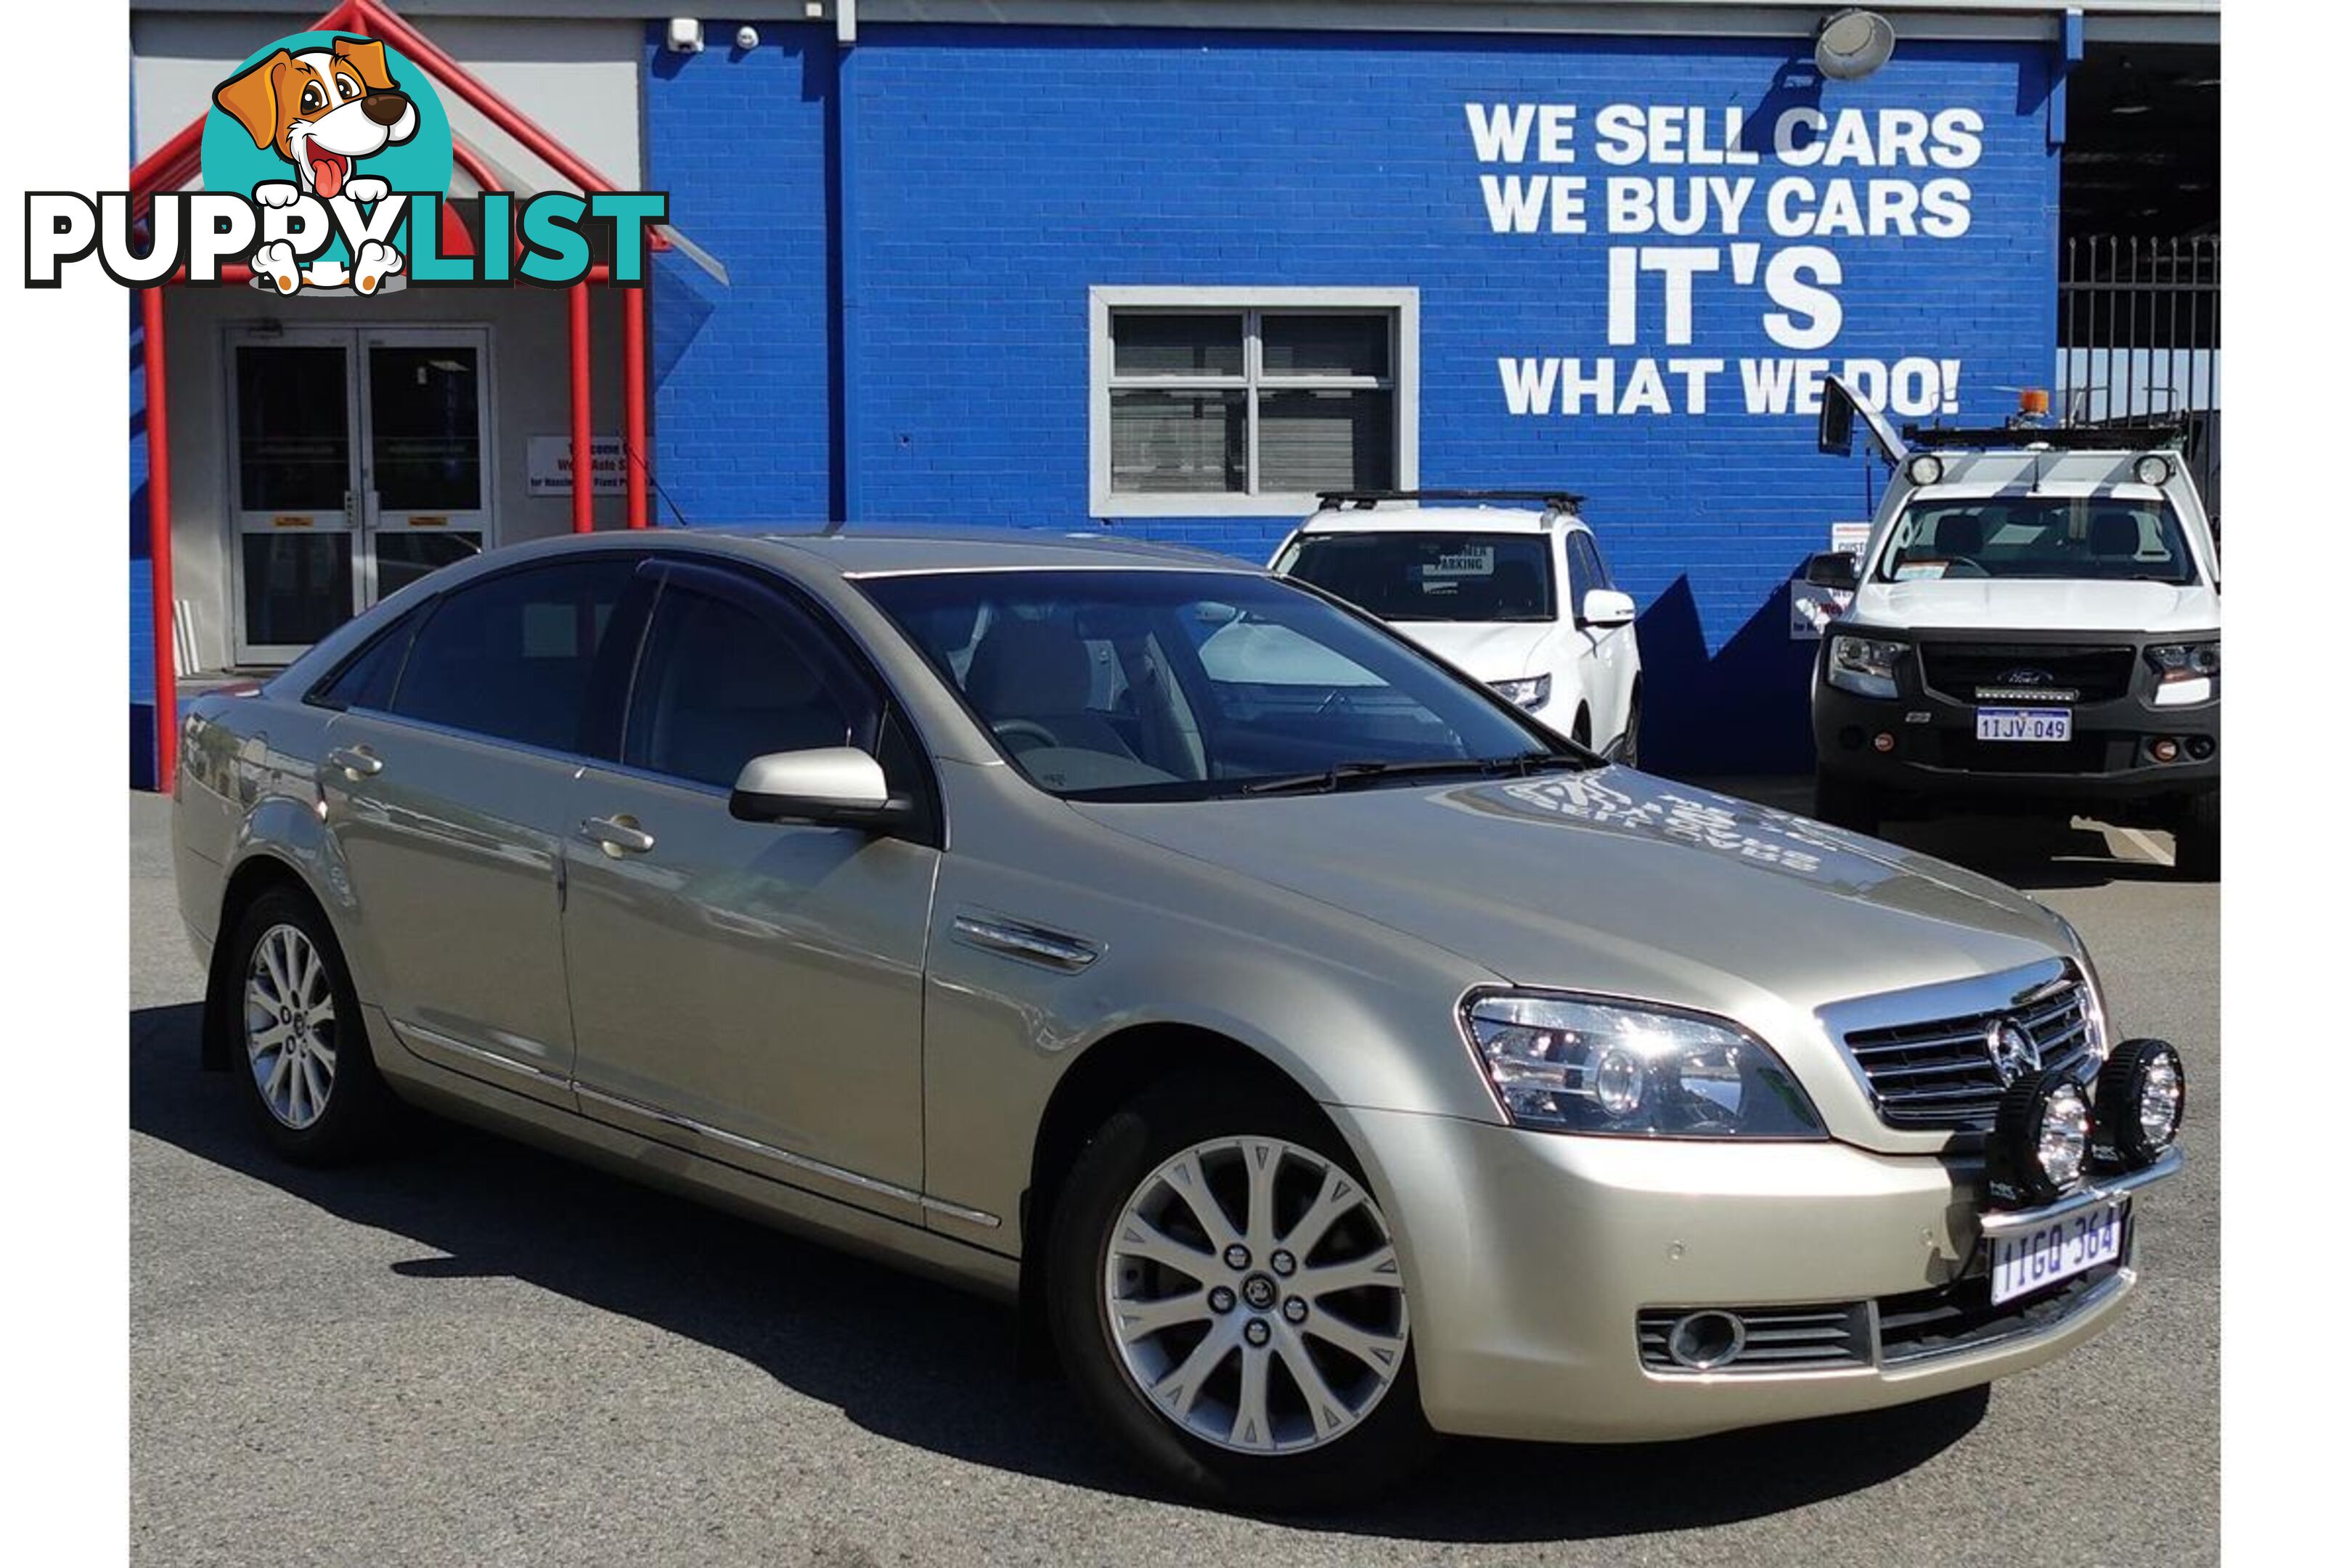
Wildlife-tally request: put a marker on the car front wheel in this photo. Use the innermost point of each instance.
(1226, 1295)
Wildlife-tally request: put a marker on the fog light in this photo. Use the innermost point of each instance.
(1882, 742)
(1850, 737)
(2140, 1094)
(2164, 751)
(2200, 747)
(1703, 1341)
(2040, 1140)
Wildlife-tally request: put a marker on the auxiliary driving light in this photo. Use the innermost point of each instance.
(1925, 469)
(2140, 1096)
(2040, 1140)
(2153, 469)
(2165, 751)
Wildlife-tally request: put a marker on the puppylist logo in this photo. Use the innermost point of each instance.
(325, 160)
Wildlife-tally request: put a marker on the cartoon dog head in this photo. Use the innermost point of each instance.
(322, 110)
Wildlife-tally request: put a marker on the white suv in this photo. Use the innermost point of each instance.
(1519, 599)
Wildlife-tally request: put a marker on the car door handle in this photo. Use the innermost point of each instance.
(356, 762)
(617, 835)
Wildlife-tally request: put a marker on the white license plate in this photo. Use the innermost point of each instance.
(2025, 724)
(2067, 1245)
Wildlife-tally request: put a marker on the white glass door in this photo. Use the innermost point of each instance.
(426, 465)
(294, 484)
(361, 461)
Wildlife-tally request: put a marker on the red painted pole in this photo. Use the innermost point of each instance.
(583, 470)
(638, 460)
(159, 539)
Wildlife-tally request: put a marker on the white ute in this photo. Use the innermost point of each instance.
(2035, 626)
(1515, 597)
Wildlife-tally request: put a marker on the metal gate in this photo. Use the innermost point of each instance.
(2139, 341)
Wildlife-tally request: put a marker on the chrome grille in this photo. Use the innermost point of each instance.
(1939, 1073)
(1779, 1339)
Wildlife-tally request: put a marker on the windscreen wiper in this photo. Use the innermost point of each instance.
(1341, 776)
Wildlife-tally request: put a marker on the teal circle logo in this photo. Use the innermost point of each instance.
(346, 120)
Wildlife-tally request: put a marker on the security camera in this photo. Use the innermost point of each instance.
(747, 37)
(684, 36)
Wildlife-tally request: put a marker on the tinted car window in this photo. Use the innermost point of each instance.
(722, 684)
(1579, 574)
(2096, 537)
(1596, 569)
(512, 658)
(1430, 576)
(1111, 685)
(366, 678)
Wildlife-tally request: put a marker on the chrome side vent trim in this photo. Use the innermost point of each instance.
(1014, 939)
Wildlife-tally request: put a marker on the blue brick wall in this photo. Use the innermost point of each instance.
(742, 408)
(997, 173)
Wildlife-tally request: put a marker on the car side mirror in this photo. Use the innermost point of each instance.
(836, 787)
(1607, 607)
(1834, 569)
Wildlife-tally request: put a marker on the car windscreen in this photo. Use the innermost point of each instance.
(1173, 685)
(2096, 537)
(1439, 576)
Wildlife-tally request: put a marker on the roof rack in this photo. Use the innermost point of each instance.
(2058, 438)
(1364, 500)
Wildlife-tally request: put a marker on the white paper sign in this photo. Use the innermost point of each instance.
(548, 462)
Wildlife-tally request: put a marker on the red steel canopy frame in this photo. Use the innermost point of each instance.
(177, 162)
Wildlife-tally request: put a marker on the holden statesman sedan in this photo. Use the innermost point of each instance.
(1324, 1055)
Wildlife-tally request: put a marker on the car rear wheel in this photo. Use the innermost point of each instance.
(1226, 1295)
(1846, 802)
(307, 1076)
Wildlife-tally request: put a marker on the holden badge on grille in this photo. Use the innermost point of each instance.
(2011, 1049)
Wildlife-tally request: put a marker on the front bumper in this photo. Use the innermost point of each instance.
(1935, 753)
(1530, 1257)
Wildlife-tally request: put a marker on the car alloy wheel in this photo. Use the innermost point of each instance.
(289, 1025)
(1253, 1296)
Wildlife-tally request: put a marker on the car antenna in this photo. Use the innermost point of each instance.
(656, 484)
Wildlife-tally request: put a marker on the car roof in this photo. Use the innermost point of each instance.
(873, 550)
(1437, 520)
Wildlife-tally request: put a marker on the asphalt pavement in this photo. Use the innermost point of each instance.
(474, 1353)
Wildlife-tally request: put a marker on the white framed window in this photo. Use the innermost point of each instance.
(1245, 402)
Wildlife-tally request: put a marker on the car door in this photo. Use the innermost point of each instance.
(448, 786)
(1606, 652)
(750, 991)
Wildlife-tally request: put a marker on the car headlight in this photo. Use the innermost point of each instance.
(1863, 666)
(1531, 694)
(1566, 1064)
(2185, 672)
